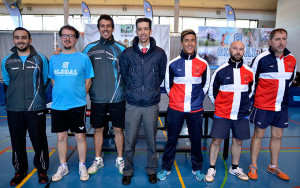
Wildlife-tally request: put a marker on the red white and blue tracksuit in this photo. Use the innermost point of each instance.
(186, 82)
(230, 90)
(274, 75)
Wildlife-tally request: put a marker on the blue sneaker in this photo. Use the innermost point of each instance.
(199, 175)
(162, 175)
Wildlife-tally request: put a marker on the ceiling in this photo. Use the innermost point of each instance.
(266, 5)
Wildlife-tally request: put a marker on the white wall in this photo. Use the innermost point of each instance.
(288, 17)
(138, 10)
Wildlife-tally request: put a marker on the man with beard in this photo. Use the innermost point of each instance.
(274, 70)
(143, 69)
(25, 73)
(70, 73)
(107, 92)
(186, 82)
(230, 90)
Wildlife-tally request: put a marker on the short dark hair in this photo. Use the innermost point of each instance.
(22, 29)
(143, 20)
(187, 32)
(68, 27)
(278, 30)
(105, 17)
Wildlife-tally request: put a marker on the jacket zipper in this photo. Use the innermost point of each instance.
(106, 71)
(142, 81)
(24, 84)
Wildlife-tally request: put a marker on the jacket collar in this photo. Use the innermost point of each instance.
(186, 56)
(103, 41)
(136, 45)
(285, 52)
(235, 64)
(32, 50)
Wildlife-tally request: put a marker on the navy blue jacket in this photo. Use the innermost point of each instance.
(142, 74)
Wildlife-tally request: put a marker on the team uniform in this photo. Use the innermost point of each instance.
(186, 82)
(26, 80)
(107, 91)
(69, 72)
(274, 75)
(231, 88)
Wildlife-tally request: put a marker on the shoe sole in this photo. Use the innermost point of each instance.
(209, 181)
(238, 177)
(277, 175)
(252, 178)
(60, 178)
(119, 170)
(84, 180)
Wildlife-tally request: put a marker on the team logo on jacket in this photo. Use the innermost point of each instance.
(289, 64)
(197, 70)
(246, 78)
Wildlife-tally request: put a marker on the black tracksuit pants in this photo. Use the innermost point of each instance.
(35, 123)
(175, 120)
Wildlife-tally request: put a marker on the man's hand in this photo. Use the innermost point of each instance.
(57, 51)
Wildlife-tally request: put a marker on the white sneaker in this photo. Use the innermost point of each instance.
(210, 176)
(239, 173)
(60, 173)
(120, 165)
(97, 164)
(84, 176)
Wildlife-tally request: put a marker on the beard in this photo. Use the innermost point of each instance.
(67, 47)
(23, 49)
(235, 58)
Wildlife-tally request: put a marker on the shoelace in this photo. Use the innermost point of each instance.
(210, 172)
(252, 169)
(276, 170)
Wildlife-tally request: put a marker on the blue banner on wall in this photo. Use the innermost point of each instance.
(85, 12)
(148, 10)
(230, 15)
(15, 13)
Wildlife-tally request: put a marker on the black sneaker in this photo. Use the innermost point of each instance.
(43, 178)
(126, 180)
(17, 178)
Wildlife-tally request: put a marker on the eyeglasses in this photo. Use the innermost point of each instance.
(64, 36)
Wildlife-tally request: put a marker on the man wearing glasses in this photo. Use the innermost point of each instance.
(25, 74)
(70, 73)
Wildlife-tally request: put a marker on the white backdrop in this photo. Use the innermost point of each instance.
(161, 34)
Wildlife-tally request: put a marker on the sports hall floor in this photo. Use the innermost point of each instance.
(181, 175)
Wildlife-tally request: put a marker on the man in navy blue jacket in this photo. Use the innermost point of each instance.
(143, 69)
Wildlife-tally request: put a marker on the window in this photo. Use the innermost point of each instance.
(33, 22)
(192, 23)
(124, 19)
(6, 23)
(212, 22)
(52, 22)
(242, 23)
(253, 23)
(167, 21)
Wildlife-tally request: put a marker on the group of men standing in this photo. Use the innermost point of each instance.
(110, 73)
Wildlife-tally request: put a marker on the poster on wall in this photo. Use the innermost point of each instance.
(124, 33)
(214, 43)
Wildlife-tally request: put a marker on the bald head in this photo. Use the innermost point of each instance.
(237, 50)
(237, 43)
